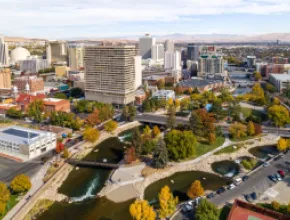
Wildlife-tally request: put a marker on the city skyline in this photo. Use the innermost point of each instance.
(86, 18)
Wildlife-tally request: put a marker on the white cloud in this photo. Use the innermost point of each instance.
(28, 15)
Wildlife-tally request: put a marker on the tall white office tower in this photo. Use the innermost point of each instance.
(3, 52)
(169, 46)
(145, 46)
(172, 61)
(157, 52)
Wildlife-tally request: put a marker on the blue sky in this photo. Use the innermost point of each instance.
(67, 19)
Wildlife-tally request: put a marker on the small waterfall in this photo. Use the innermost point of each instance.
(124, 137)
(89, 193)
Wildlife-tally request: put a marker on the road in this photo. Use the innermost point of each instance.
(161, 119)
(258, 182)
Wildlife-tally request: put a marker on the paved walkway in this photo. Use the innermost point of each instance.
(123, 193)
(124, 174)
(247, 105)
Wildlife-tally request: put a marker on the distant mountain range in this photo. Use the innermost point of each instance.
(179, 37)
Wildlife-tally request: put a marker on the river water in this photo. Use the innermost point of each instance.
(83, 184)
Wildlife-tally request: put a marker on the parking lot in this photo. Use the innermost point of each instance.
(259, 182)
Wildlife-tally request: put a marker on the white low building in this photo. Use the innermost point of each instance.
(164, 94)
(25, 144)
(280, 81)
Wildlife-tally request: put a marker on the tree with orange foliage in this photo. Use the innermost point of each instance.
(59, 147)
(130, 155)
(195, 190)
(93, 118)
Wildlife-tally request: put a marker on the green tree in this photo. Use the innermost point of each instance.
(257, 76)
(20, 183)
(148, 146)
(195, 190)
(161, 84)
(171, 119)
(4, 193)
(35, 110)
(279, 115)
(14, 113)
(226, 95)
(146, 105)
(76, 92)
(270, 88)
(251, 128)
(167, 203)
(91, 134)
(60, 96)
(180, 145)
(206, 211)
(137, 141)
(238, 130)
(147, 131)
(160, 156)
(141, 210)
(288, 207)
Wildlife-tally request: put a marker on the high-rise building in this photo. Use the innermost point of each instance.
(145, 45)
(5, 78)
(172, 61)
(3, 52)
(112, 73)
(251, 61)
(208, 50)
(157, 52)
(33, 65)
(76, 58)
(210, 65)
(56, 52)
(169, 46)
(193, 52)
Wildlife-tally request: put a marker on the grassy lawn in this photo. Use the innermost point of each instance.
(182, 114)
(203, 147)
(10, 204)
(259, 115)
(246, 138)
(229, 149)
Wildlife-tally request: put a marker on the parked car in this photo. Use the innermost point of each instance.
(278, 158)
(188, 206)
(209, 196)
(237, 181)
(245, 178)
(278, 177)
(248, 197)
(273, 178)
(254, 195)
(282, 173)
(287, 163)
(221, 190)
(232, 186)
(266, 164)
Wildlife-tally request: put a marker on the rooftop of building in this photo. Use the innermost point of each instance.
(20, 135)
(27, 98)
(280, 76)
(199, 82)
(6, 106)
(54, 101)
(251, 57)
(163, 92)
(246, 211)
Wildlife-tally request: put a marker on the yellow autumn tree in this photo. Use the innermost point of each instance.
(250, 128)
(2, 208)
(177, 102)
(195, 190)
(282, 145)
(20, 183)
(146, 131)
(275, 205)
(141, 210)
(167, 202)
(170, 101)
(4, 193)
(155, 131)
(111, 126)
(288, 207)
(91, 134)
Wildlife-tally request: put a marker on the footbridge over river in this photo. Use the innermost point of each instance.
(92, 164)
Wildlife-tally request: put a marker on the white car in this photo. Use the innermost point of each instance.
(232, 186)
(266, 164)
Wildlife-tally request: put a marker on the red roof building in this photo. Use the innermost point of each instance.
(246, 211)
(23, 100)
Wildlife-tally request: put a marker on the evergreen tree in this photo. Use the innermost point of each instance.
(171, 119)
(137, 141)
(160, 156)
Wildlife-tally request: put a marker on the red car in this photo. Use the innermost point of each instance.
(282, 173)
